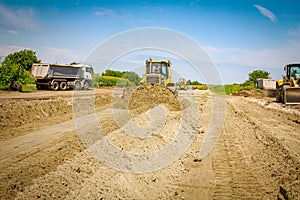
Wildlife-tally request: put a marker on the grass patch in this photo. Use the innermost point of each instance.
(29, 88)
(25, 88)
(4, 87)
(200, 87)
(232, 89)
(112, 81)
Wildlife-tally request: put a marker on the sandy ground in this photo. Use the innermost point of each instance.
(42, 155)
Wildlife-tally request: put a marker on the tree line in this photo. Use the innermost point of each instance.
(15, 69)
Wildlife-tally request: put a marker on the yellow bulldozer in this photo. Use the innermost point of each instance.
(158, 72)
(288, 89)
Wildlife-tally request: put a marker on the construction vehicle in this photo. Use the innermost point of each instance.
(288, 89)
(182, 85)
(158, 72)
(61, 77)
(267, 85)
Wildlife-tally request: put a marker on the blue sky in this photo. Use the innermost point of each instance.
(238, 36)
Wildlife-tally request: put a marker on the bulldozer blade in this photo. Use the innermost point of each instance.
(185, 92)
(292, 95)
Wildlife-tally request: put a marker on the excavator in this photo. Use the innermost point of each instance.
(288, 88)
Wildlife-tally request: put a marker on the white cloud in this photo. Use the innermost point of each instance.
(5, 50)
(103, 11)
(211, 49)
(17, 18)
(243, 60)
(12, 32)
(270, 58)
(58, 55)
(46, 54)
(107, 12)
(266, 12)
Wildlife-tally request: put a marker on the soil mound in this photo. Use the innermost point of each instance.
(147, 96)
(250, 93)
(32, 114)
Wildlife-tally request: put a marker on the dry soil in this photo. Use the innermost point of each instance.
(42, 156)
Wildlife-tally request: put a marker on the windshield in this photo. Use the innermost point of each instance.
(156, 68)
(159, 68)
(295, 71)
(89, 69)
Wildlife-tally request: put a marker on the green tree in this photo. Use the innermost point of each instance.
(23, 58)
(16, 67)
(132, 76)
(113, 73)
(256, 74)
(13, 74)
(189, 82)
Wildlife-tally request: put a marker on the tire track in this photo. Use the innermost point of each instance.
(271, 144)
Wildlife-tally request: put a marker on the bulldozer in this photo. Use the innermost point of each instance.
(288, 88)
(182, 85)
(158, 72)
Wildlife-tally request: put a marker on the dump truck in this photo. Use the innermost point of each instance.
(267, 85)
(288, 88)
(61, 77)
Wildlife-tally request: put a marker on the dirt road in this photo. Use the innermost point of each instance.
(257, 155)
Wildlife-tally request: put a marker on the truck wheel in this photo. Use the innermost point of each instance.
(55, 86)
(63, 85)
(38, 87)
(77, 85)
(86, 85)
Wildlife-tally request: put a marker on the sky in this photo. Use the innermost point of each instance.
(238, 36)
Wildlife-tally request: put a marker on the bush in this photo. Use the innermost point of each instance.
(124, 82)
(113, 73)
(113, 81)
(200, 87)
(235, 88)
(131, 76)
(218, 89)
(95, 80)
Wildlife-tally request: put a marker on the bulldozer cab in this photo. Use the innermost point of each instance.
(158, 72)
(293, 71)
(160, 68)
